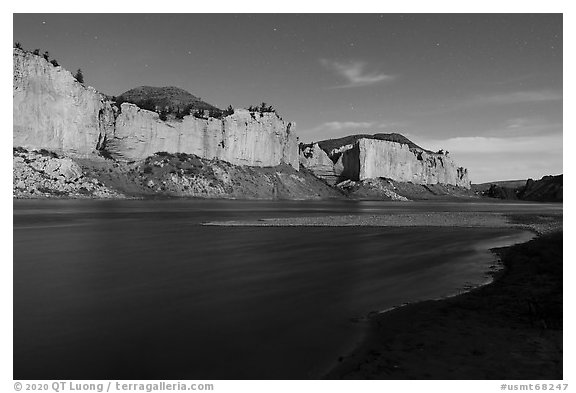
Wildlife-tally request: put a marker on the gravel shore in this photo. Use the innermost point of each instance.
(541, 224)
(510, 329)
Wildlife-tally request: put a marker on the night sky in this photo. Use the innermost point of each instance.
(486, 87)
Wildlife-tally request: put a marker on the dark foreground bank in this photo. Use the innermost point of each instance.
(510, 329)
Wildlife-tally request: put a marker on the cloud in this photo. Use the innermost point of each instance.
(528, 126)
(490, 145)
(355, 73)
(494, 158)
(518, 122)
(489, 101)
(343, 125)
(517, 97)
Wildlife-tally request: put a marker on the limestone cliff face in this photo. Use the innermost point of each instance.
(242, 138)
(372, 158)
(316, 159)
(52, 110)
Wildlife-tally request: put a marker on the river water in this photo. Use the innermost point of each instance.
(142, 290)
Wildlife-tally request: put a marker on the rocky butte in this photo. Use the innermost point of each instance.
(393, 156)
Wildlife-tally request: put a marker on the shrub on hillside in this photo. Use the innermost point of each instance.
(199, 114)
(228, 111)
(47, 153)
(262, 108)
(79, 76)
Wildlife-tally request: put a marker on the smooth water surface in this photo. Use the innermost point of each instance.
(141, 290)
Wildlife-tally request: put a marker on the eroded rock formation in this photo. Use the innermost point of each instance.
(242, 138)
(316, 159)
(54, 111)
(43, 174)
(368, 158)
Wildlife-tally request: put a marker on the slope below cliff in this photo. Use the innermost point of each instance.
(44, 174)
(388, 189)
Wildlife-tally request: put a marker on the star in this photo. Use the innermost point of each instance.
(275, 29)
(43, 22)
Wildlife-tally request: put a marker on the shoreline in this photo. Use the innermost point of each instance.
(447, 338)
(482, 333)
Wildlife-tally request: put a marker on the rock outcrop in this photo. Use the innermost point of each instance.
(375, 158)
(398, 159)
(43, 174)
(54, 111)
(243, 138)
(372, 189)
(315, 159)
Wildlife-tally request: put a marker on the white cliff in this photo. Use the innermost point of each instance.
(54, 111)
(372, 158)
(369, 158)
(242, 138)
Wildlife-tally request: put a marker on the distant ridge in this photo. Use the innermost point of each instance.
(512, 184)
(547, 189)
(170, 99)
(330, 144)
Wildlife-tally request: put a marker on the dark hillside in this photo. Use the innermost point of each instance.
(170, 99)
